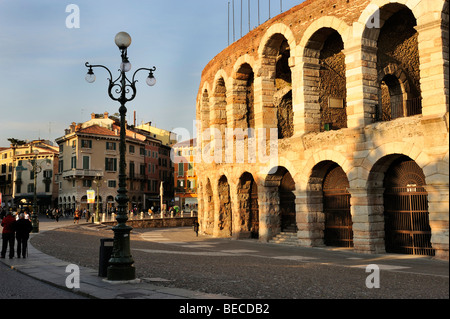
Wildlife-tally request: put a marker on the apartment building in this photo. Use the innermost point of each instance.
(89, 161)
(185, 178)
(27, 172)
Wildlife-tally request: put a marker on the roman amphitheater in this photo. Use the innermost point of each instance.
(356, 92)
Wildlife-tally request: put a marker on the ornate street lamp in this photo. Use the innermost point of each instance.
(98, 183)
(37, 168)
(122, 90)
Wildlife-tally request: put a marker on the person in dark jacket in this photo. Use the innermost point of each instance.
(8, 224)
(23, 230)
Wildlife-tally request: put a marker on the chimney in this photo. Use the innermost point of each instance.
(92, 116)
(72, 127)
(105, 115)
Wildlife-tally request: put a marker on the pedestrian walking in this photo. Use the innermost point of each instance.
(196, 226)
(8, 224)
(76, 217)
(23, 229)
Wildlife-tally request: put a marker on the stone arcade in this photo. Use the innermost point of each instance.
(358, 91)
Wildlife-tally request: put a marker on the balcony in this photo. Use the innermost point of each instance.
(82, 173)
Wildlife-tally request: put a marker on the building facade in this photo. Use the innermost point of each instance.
(330, 121)
(27, 172)
(89, 160)
(185, 177)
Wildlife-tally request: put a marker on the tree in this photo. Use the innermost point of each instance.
(16, 142)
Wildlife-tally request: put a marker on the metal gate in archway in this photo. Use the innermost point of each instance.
(336, 206)
(407, 226)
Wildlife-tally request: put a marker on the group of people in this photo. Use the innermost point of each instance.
(15, 229)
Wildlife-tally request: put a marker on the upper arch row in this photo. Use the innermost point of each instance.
(363, 32)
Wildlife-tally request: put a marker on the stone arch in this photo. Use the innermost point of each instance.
(281, 187)
(395, 182)
(328, 202)
(224, 226)
(431, 33)
(275, 51)
(398, 48)
(247, 197)
(218, 116)
(324, 76)
(243, 95)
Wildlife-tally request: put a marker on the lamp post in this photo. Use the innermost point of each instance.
(36, 169)
(98, 183)
(122, 90)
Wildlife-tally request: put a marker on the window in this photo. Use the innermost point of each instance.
(142, 169)
(61, 148)
(30, 188)
(60, 166)
(131, 169)
(86, 143)
(112, 184)
(131, 149)
(87, 183)
(142, 151)
(74, 144)
(86, 162)
(48, 173)
(47, 187)
(180, 169)
(111, 164)
(111, 146)
(73, 162)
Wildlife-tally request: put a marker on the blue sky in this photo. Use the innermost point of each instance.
(42, 83)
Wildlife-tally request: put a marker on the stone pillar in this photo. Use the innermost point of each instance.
(438, 203)
(268, 203)
(368, 220)
(362, 90)
(310, 219)
(434, 65)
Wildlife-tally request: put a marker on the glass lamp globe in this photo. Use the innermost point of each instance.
(90, 77)
(151, 81)
(125, 66)
(123, 40)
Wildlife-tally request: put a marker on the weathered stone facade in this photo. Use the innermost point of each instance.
(356, 90)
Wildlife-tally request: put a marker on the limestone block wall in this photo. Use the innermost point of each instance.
(343, 65)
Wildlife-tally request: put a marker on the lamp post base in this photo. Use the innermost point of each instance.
(121, 263)
(34, 223)
(121, 273)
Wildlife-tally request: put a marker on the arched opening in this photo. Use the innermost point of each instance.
(283, 95)
(276, 56)
(282, 184)
(219, 119)
(325, 71)
(248, 205)
(398, 64)
(225, 222)
(287, 203)
(244, 110)
(391, 98)
(407, 226)
(336, 207)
